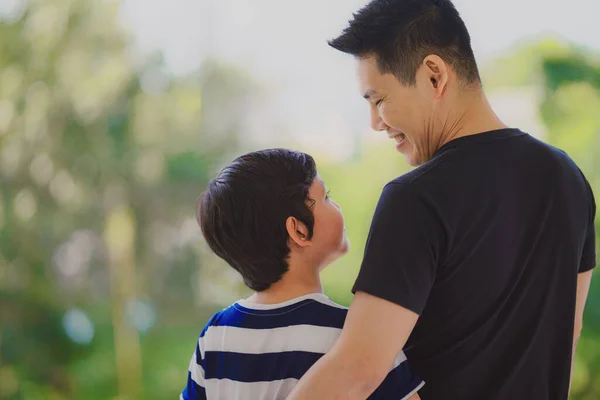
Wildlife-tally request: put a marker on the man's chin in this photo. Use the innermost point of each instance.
(414, 158)
(411, 159)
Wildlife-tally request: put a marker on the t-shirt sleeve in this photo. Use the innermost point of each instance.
(402, 250)
(588, 259)
(400, 383)
(195, 388)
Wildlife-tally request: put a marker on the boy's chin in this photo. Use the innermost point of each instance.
(342, 251)
(345, 247)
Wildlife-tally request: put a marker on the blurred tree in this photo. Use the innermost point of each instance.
(101, 163)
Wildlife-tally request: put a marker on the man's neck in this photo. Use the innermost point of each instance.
(475, 116)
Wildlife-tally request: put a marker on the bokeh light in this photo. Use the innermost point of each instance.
(78, 326)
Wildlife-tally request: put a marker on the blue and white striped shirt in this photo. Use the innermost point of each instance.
(254, 351)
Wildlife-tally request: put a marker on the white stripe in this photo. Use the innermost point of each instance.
(320, 297)
(314, 339)
(225, 389)
(201, 348)
(414, 391)
(196, 371)
(327, 301)
(400, 358)
(181, 397)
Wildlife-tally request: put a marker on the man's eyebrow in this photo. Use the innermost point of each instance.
(369, 93)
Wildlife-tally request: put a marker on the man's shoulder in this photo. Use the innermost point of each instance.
(551, 153)
(407, 190)
(557, 163)
(465, 162)
(419, 181)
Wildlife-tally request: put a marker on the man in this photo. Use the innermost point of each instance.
(478, 262)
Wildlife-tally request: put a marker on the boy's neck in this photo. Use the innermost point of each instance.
(288, 288)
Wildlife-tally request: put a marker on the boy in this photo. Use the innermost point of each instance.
(270, 217)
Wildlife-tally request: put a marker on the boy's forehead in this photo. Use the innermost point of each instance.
(318, 183)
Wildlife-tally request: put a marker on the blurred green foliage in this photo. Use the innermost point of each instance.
(104, 283)
(102, 157)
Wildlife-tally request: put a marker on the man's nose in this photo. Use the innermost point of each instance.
(377, 123)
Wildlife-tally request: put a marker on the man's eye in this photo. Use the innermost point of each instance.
(378, 102)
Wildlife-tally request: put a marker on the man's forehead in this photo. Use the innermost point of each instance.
(369, 92)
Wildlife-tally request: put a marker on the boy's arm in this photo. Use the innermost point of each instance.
(374, 333)
(195, 388)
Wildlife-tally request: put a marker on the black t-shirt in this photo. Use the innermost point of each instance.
(485, 242)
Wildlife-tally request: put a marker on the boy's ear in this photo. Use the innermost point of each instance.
(297, 231)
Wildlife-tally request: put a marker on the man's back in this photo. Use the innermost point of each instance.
(498, 322)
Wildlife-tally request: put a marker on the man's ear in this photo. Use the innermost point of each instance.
(436, 72)
(297, 231)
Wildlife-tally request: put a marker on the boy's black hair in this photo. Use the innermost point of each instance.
(401, 33)
(243, 212)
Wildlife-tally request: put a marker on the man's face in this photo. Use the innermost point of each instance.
(405, 112)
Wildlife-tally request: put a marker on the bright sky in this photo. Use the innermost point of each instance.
(283, 44)
(261, 32)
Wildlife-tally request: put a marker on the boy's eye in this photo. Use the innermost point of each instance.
(327, 194)
(378, 102)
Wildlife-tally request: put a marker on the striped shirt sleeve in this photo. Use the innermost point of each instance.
(400, 383)
(195, 388)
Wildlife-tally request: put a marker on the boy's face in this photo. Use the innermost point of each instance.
(329, 240)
